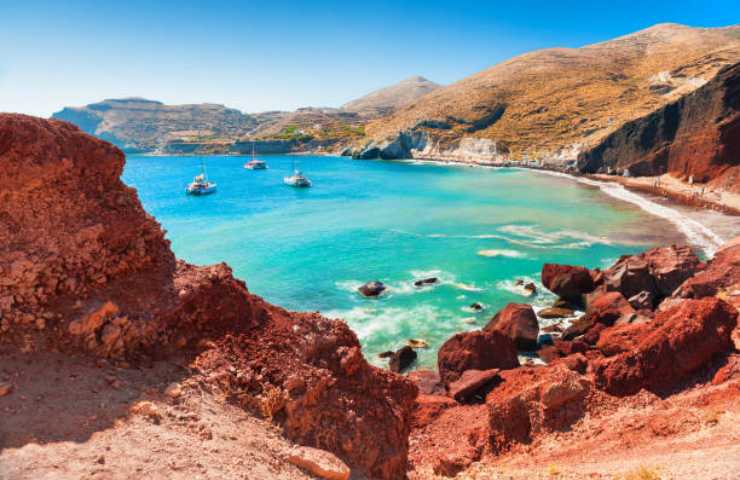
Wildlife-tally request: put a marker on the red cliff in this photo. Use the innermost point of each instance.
(83, 268)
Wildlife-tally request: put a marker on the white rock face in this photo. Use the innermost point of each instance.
(469, 149)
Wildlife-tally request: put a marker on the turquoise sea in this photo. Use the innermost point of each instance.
(478, 230)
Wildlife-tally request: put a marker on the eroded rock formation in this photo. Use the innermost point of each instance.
(697, 136)
(84, 268)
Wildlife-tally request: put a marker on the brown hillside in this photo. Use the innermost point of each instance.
(550, 99)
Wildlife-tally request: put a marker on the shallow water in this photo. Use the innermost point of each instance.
(476, 229)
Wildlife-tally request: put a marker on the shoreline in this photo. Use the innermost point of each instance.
(636, 190)
(696, 231)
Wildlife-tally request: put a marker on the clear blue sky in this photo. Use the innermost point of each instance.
(283, 54)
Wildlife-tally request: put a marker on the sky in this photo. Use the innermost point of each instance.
(284, 54)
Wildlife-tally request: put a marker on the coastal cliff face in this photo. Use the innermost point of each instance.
(698, 137)
(84, 269)
(140, 125)
(548, 106)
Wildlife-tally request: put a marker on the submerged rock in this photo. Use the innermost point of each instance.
(426, 281)
(477, 306)
(417, 343)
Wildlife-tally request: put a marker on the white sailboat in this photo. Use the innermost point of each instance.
(200, 184)
(255, 164)
(297, 179)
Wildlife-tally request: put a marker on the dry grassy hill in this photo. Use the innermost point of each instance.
(385, 100)
(553, 100)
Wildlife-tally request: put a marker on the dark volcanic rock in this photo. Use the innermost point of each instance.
(518, 322)
(402, 359)
(426, 281)
(476, 306)
(372, 289)
(696, 136)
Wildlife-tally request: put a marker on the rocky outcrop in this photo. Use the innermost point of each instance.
(659, 272)
(696, 137)
(567, 281)
(84, 269)
(530, 401)
(680, 341)
(518, 322)
(478, 350)
(720, 277)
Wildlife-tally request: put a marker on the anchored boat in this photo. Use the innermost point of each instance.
(200, 184)
(255, 164)
(297, 179)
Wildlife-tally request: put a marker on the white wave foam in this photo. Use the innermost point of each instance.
(537, 236)
(501, 253)
(696, 233)
(407, 287)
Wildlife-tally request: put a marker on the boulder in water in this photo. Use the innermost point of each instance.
(372, 289)
(567, 281)
(426, 281)
(402, 359)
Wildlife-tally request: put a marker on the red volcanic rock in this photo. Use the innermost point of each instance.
(429, 407)
(562, 348)
(568, 282)
(630, 276)
(427, 381)
(621, 338)
(604, 309)
(721, 276)
(681, 340)
(479, 350)
(472, 383)
(518, 322)
(730, 370)
(655, 273)
(532, 400)
(609, 308)
(84, 268)
(671, 266)
(642, 300)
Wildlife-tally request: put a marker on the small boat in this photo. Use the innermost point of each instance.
(297, 179)
(200, 184)
(255, 164)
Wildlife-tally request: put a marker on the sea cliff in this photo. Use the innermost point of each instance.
(650, 367)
